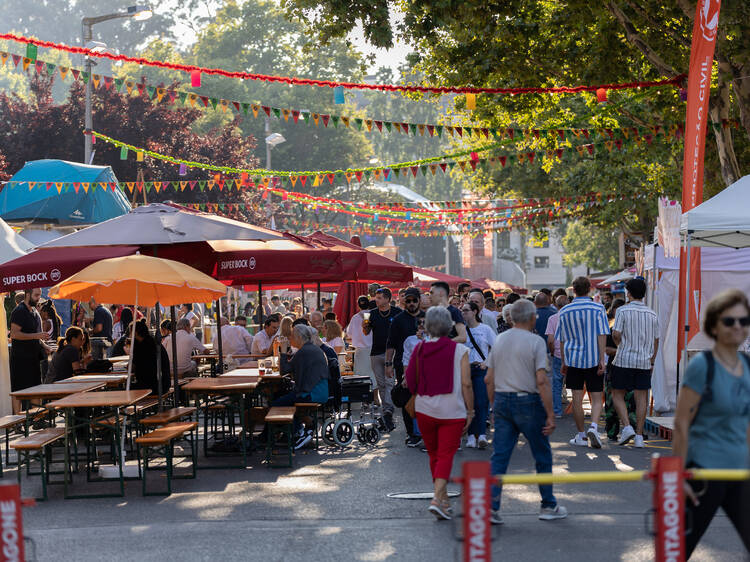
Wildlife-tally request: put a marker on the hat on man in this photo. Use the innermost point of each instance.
(412, 292)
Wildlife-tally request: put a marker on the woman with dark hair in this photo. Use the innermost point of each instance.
(68, 359)
(120, 327)
(479, 340)
(51, 321)
(144, 361)
(712, 419)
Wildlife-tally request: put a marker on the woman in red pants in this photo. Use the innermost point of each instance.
(440, 377)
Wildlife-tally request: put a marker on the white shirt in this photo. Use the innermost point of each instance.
(235, 340)
(446, 406)
(409, 344)
(354, 331)
(484, 337)
(335, 342)
(262, 342)
(186, 343)
(489, 319)
(639, 327)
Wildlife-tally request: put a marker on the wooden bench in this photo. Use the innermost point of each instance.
(7, 423)
(35, 447)
(168, 416)
(163, 438)
(283, 417)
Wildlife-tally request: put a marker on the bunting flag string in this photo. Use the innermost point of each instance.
(196, 71)
(160, 94)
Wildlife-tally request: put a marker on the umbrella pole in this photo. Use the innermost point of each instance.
(173, 318)
(157, 312)
(318, 296)
(262, 310)
(220, 368)
(302, 290)
(130, 372)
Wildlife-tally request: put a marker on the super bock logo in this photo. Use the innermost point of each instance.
(251, 263)
(709, 18)
(55, 275)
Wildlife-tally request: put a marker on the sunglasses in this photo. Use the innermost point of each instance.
(730, 321)
(407, 301)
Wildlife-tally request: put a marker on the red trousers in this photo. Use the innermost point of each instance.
(442, 439)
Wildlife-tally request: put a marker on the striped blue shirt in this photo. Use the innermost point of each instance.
(580, 324)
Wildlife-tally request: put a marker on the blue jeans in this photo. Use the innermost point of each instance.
(481, 402)
(557, 385)
(520, 414)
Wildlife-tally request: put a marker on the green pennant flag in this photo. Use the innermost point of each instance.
(358, 121)
(50, 68)
(118, 83)
(31, 51)
(413, 128)
(451, 165)
(149, 185)
(245, 107)
(214, 102)
(123, 153)
(518, 133)
(388, 125)
(182, 96)
(439, 130)
(151, 91)
(368, 173)
(84, 76)
(277, 112)
(340, 175)
(176, 185)
(306, 116)
(335, 120)
(202, 185)
(221, 206)
(423, 169)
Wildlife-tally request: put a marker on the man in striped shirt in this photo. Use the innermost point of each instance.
(582, 330)
(636, 333)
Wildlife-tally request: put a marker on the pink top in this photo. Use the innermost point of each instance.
(551, 328)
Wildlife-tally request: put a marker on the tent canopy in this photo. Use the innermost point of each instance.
(12, 245)
(164, 223)
(723, 220)
(42, 204)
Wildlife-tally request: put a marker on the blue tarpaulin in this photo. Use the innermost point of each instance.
(42, 205)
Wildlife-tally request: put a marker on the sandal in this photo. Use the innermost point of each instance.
(442, 510)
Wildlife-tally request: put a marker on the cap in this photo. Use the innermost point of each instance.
(412, 292)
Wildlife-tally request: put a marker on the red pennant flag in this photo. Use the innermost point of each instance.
(649, 138)
(295, 115)
(443, 166)
(511, 133)
(107, 82)
(331, 177)
(379, 125)
(559, 153)
(561, 134)
(530, 156)
(325, 117)
(16, 59)
(76, 186)
(358, 175)
(502, 160)
(586, 133)
(49, 185)
(459, 130)
(431, 129)
(236, 105)
(486, 132)
(303, 180)
(414, 170)
(141, 88)
(75, 72)
(39, 65)
(473, 164)
(590, 148)
(618, 144)
(267, 110)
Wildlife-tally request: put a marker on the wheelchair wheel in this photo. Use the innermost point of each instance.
(327, 432)
(372, 435)
(362, 435)
(343, 433)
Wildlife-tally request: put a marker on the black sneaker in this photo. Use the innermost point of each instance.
(303, 440)
(381, 425)
(414, 441)
(389, 425)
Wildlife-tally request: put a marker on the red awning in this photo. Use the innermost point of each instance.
(45, 267)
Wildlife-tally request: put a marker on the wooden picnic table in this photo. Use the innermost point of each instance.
(110, 380)
(55, 390)
(110, 401)
(119, 358)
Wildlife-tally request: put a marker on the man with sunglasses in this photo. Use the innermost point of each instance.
(403, 326)
(636, 333)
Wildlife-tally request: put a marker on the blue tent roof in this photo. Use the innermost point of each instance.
(42, 205)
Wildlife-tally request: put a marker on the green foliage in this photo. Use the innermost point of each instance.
(591, 246)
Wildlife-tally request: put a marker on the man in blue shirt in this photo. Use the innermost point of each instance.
(543, 312)
(582, 330)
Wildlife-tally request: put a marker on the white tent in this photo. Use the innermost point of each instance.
(12, 245)
(624, 275)
(723, 220)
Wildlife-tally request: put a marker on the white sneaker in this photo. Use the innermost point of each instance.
(471, 442)
(594, 440)
(552, 513)
(578, 441)
(626, 435)
(495, 518)
(638, 442)
(482, 442)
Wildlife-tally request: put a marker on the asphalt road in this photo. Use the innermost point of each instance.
(332, 506)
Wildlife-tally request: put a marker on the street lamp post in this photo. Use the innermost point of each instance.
(138, 13)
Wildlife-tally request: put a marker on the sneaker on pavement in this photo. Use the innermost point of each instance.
(552, 513)
(440, 510)
(638, 442)
(495, 518)
(414, 441)
(303, 440)
(578, 441)
(471, 442)
(482, 442)
(388, 420)
(626, 435)
(594, 440)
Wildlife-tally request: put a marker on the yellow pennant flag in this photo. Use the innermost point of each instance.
(86, 186)
(210, 184)
(63, 71)
(95, 78)
(316, 118)
(183, 185)
(31, 185)
(129, 86)
(286, 113)
(139, 156)
(157, 186)
(3, 58)
(59, 186)
(130, 185)
(160, 93)
(224, 104)
(26, 62)
(471, 101)
(420, 128)
(192, 98)
(368, 122)
(345, 121)
(255, 109)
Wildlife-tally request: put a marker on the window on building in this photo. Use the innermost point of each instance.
(477, 246)
(541, 262)
(503, 240)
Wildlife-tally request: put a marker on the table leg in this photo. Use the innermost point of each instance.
(68, 429)
(243, 431)
(120, 450)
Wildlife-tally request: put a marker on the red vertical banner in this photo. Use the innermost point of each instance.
(705, 28)
(476, 497)
(669, 509)
(11, 531)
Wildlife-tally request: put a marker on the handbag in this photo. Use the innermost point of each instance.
(400, 395)
(410, 404)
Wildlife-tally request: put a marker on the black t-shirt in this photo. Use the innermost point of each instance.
(27, 320)
(104, 317)
(403, 326)
(457, 317)
(62, 363)
(380, 325)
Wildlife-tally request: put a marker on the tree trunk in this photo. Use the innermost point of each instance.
(741, 89)
(719, 111)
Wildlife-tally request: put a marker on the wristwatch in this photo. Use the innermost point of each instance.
(389, 363)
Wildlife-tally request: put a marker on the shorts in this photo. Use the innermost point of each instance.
(625, 378)
(575, 378)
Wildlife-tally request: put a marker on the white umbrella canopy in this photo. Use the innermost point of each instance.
(12, 245)
(723, 220)
(163, 223)
(624, 275)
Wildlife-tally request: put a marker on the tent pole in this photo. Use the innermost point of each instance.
(173, 318)
(686, 333)
(318, 296)
(302, 290)
(261, 317)
(220, 368)
(157, 311)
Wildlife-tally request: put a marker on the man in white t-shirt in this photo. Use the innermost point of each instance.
(186, 343)
(517, 378)
(263, 340)
(235, 340)
(477, 296)
(362, 343)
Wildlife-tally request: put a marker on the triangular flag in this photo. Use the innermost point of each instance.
(26, 62)
(16, 59)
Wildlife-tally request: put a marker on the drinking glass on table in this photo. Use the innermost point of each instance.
(261, 367)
